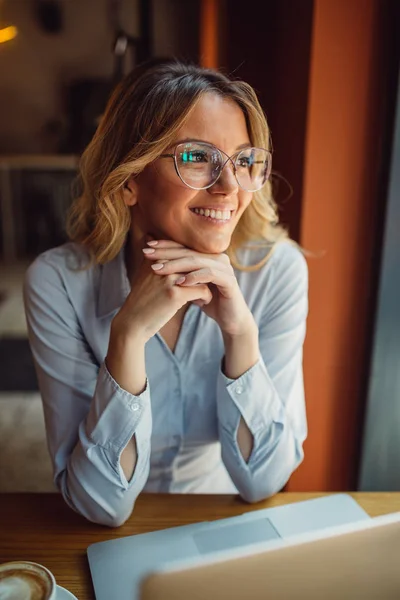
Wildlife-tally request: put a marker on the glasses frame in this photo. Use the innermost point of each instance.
(228, 158)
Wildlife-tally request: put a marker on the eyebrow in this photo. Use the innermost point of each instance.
(183, 141)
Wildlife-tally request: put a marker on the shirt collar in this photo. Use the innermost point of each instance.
(114, 285)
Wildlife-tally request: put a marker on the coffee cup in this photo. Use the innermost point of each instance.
(24, 580)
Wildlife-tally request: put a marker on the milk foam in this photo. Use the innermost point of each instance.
(24, 583)
(15, 588)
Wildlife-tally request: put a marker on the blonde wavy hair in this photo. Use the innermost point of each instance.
(140, 123)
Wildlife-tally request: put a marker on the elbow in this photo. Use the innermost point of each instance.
(111, 515)
(253, 494)
(108, 519)
(99, 516)
(257, 489)
(113, 521)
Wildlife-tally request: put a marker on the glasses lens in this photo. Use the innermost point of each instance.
(198, 164)
(253, 166)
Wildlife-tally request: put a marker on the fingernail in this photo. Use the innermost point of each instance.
(148, 250)
(152, 243)
(157, 266)
(180, 280)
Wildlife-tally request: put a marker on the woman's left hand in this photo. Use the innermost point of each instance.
(227, 307)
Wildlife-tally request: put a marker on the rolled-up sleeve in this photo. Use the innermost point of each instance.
(89, 417)
(270, 396)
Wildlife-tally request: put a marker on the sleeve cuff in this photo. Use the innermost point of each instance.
(251, 396)
(115, 414)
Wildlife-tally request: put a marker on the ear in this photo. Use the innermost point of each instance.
(130, 192)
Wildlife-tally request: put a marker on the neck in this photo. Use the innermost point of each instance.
(133, 251)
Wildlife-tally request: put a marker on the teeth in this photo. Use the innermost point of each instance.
(220, 215)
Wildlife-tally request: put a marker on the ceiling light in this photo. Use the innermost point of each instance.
(8, 33)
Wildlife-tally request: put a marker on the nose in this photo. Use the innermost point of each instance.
(227, 183)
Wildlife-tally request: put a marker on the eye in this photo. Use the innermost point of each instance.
(245, 161)
(194, 156)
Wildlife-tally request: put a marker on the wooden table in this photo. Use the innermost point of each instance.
(41, 528)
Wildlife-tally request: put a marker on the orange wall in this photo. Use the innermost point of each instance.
(338, 217)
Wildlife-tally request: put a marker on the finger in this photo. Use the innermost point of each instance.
(225, 283)
(164, 244)
(186, 265)
(159, 265)
(199, 294)
(148, 238)
(177, 252)
(199, 303)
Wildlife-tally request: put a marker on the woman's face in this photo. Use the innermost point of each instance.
(162, 205)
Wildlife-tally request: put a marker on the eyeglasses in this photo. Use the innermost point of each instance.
(199, 165)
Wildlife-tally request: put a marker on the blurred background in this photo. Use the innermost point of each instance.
(327, 74)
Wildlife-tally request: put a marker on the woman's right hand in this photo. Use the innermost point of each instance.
(152, 302)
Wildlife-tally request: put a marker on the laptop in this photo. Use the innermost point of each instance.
(352, 562)
(117, 566)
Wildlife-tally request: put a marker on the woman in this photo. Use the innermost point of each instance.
(167, 335)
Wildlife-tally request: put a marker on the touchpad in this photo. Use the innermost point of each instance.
(232, 536)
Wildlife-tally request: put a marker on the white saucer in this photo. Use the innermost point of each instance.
(63, 594)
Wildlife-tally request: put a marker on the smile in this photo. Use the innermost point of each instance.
(221, 216)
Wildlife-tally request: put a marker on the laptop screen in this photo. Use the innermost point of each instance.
(361, 564)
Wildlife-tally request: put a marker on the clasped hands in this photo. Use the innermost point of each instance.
(225, 304)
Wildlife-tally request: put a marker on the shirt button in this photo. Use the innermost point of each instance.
(135, 406)
(239, 389)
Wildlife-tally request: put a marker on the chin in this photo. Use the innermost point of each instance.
(210, 246)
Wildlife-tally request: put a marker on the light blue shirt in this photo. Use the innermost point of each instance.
(186, 420)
